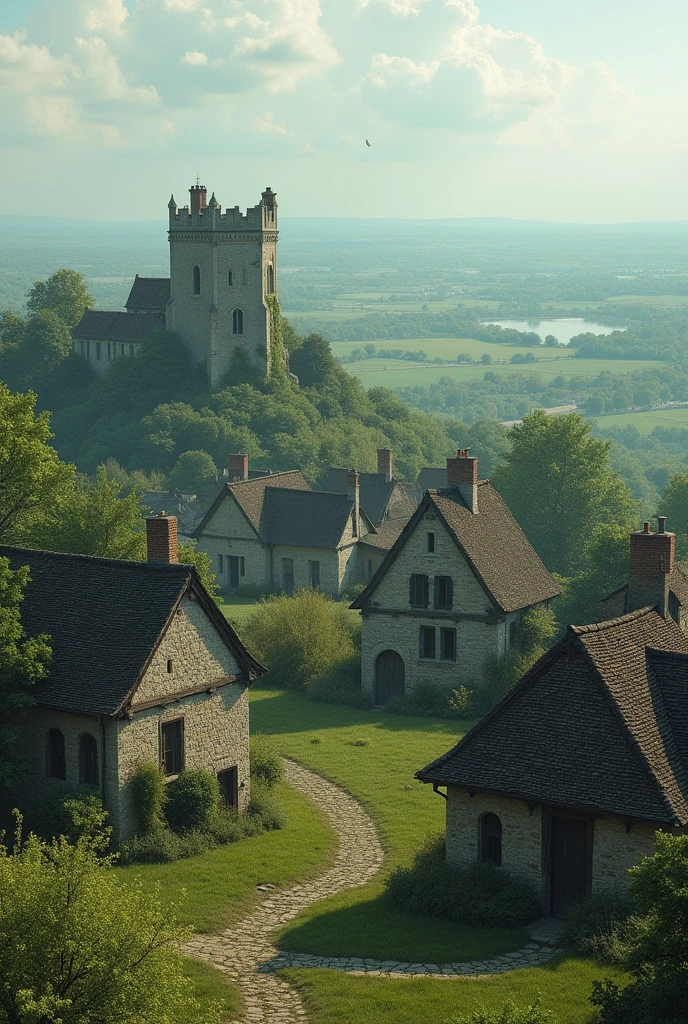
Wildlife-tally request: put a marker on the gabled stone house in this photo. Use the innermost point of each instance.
(451, 590)
(272, 533)
(565, 782)
(144, 667)
(382, 496)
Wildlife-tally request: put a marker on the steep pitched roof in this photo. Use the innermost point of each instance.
(430, 479)
(250, 496)
(497, 550)
(616, 603)
(105, 618)
(100, 325)
(599, 723)
(386, 533)
(379, 497)
(306, 519)
(149, 293)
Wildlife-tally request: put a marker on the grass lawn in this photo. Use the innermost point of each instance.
(214, 987)
(220, 885)
(564, 986)
(646, 422)
(358, 922)
(449, 348)
(235, 608)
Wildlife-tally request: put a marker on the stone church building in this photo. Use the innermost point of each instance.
(223, 273)
(144, 667)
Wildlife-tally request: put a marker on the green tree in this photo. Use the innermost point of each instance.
(12, 328)
(558, 482)
(673, 503)
(64, 293)
(78, 944)
(486, 359)
(31, 474)
(47, 342)
(23, 662)
(192, 472)
(202, 563)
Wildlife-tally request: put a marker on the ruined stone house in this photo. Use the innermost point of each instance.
(144, 667)
(451, 591)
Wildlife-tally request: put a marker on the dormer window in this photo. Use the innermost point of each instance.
(430, 543)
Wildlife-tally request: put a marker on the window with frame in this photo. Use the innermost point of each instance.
(448, 644)
(56, 764)
(427, 642)
(430, 543)
(172, 746)
(197, 280)
(443, 592)
(491, 840)
(419, 590)
(238, 321)
(88, 760)
(314, 574)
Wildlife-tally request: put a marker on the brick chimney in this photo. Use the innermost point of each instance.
(384, 463)
(199, 195)
(652, 562)
(237, 467)
(353, 493)
(161, 538)
(462, 474)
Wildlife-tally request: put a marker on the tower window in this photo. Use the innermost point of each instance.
(270, 279)
(56, 755)
(197, 280)
(245, 276)
(238, 321)
(229, 279)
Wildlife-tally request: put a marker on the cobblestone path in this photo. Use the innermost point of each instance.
(246, 951)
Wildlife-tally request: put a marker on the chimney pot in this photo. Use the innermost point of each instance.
(462, 474)
(237, 466)
(161, 538)
(384, 463)
(662, 524)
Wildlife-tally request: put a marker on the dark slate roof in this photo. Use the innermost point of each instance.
(616, 603)
(380, 498)
(250, 496)
(430, 479)
(306, 519)
(386, 534)
(496, 548)
(600, 723)
(98, 325)
(104, 618)
(149, 293)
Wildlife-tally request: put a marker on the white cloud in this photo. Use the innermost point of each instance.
(401, 7)
(195, 57)
(267, 123)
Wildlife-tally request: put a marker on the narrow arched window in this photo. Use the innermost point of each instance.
(197, 280)
(491, 839)
(56, 755)
(230, 280)
(270, 279)
(238, 321)
(88, 760)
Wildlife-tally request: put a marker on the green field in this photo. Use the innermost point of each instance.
(646, 422)
(401, 374)
(450, 348)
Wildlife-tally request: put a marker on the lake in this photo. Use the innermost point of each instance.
(563, 329)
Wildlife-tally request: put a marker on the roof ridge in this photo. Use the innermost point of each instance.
(660, 652)
(261, 479)
(599, 627)
(130, 562)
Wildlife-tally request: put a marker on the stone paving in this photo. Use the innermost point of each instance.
(246, 951)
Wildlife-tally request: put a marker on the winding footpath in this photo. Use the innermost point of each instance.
(246, 951)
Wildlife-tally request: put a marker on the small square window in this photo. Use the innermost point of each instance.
(427, 642)
(431, 543)
(448, 644)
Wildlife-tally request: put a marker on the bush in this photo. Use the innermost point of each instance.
(601, 926)
(164, 846)
(432, 701)
(342, 685)
(192, 799)
(149, 796)
(70, 813)
(507, 1013)
(478, 895)
(266, 808)
(300, 638)
(266, 764)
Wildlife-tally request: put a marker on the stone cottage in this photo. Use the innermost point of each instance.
(565, 782)
(144, 667)
(273, 533)
(451, 591)
(384, 498)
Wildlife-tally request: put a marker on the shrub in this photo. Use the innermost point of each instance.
(70, 813)
(192, 798)
(477, 895)
(149, 795)
(300, 638)
(601, 926)
(266, 808)
(507, 1013)
(342, 685)
(266, 764)
(163, 846)
(432, 701)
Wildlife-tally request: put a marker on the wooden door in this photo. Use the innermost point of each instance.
(390, 676)
(233, 572)
(229, 787)
(569, 859)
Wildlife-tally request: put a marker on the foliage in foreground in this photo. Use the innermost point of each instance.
(477, 895)
(76, 944)
(601, 926)
(507, 1013)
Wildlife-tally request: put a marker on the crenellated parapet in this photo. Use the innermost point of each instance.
(201, 215)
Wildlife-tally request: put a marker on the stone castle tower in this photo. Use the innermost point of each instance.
(223, 268)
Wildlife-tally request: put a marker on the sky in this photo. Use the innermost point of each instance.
(528, 109)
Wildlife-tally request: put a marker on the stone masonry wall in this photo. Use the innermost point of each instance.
(229, 533)
(614, 851)
(329, 567)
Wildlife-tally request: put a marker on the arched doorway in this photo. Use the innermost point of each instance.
(389, 676)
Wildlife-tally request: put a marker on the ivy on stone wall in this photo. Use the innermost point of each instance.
(278, 355)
